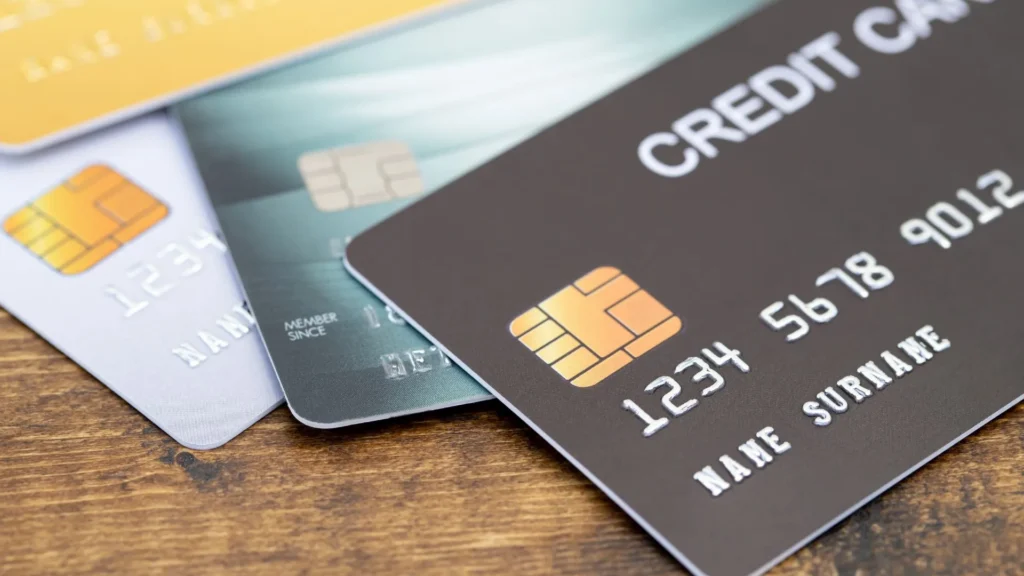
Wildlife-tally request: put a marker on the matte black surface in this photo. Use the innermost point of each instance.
(760, 222)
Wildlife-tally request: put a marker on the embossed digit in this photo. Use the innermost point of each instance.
(870, 271)
(1002, 191)
(149, 282)
(204, 239)
(704, 373)
(184, 258)
(728, 355)
(778, 324)
(668, 399)
(652, 425)
(131, 306)
(821, 310)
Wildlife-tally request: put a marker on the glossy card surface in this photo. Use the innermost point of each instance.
(298, 161)
(70, 66)
(108, 250)
(755, 288)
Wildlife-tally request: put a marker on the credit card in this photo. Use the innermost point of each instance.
(757, 287)
(108, 250)
(298, 161)
(70, 66)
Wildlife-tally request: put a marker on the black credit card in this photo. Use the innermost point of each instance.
(755, 288)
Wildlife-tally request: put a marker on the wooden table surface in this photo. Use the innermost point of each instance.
(88, 485)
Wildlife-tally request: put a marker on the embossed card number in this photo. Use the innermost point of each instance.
(153, 280)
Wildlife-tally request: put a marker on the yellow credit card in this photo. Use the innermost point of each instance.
(70, 66)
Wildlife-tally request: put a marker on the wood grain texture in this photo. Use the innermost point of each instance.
(87, 485)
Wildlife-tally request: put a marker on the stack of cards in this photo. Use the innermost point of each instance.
(744, 286)
(108, 247)
(298, 162)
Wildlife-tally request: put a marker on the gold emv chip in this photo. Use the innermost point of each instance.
(84, 219)
(592, 328)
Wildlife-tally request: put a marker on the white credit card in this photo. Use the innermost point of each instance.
(108, 250)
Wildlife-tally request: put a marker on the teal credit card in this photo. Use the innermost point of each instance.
(299, 161)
